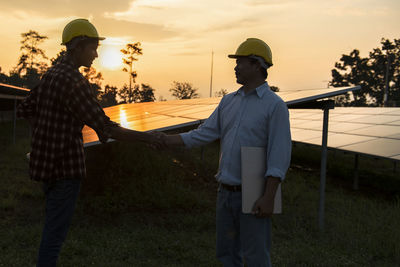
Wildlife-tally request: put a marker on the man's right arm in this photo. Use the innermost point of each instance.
(127, 135)
(174, 140)
(83, 106)
(206, 133)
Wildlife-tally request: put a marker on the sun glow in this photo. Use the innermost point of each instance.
(124, 122)
(110, 57)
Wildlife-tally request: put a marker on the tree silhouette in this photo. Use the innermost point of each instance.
(137, 94)
(130, 51)
(221, 93)
(183, 90)
(375, 73)
(162, 99)
(146, 94)
(32, 56)
(127, 95)
(32, 62)
(3, 77)
(108, 97)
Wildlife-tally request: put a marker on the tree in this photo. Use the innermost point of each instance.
(130, 51)
(138, 94)
(221, 92)
(183, 90)
(146, 94)
(32, 62)
(108, 96)
(127, 95)
(379, 70)
(3, 77)
(32, 56)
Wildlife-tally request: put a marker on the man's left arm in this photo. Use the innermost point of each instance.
(278, 158)
(264, 206)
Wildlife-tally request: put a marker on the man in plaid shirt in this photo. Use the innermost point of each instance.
(58, 108)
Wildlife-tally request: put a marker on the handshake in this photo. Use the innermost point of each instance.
(161, 141)
(156, 140)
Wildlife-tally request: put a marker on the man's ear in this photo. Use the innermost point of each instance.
(78, 48)
(257, 65)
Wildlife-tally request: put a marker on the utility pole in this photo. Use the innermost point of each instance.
(212, 59)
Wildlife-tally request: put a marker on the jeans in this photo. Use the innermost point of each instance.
(241, 238)
(61, 198)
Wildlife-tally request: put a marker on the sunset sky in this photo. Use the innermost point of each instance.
(306, 36)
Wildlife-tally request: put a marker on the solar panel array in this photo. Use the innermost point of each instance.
(179, 113)
(372, 131)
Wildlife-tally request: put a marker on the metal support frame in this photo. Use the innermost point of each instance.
(324, 158)
(15, 119)
(325, 105)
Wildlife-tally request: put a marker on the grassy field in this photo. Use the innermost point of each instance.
(140, 207)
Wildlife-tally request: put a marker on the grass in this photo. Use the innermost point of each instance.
(140, 207)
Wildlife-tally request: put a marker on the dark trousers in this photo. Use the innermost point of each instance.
(241, 237)
(61, 198)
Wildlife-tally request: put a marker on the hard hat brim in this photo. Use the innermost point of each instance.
(235, 56)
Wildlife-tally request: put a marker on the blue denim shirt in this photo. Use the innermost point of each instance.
(258, 119)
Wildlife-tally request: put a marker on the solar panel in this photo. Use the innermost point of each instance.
(386, 147)
(336, 140)
(343, 127)
(376, 119)
(303, 96)
(372, 131)
(377, 130)
(304, 135)
(397, 122)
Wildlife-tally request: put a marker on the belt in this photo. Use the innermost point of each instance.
(232, 188)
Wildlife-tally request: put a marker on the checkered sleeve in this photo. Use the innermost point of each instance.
(28, 106)
(82, 103)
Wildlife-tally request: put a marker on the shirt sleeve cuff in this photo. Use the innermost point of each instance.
(186, 138)
(275, 172)
(106, 133)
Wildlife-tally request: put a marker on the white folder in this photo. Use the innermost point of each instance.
(253, 179)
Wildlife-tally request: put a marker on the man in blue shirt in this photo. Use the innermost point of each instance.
(252, 116)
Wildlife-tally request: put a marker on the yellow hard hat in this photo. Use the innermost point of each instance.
(254, 47)
(79, 27)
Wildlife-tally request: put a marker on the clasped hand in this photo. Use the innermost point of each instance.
(161, 140)
(157, 140)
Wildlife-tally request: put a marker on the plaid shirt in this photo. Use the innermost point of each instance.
(58, 108)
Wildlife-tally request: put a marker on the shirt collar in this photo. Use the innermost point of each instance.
(260, 90)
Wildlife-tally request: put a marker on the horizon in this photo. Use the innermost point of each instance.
(178, 37)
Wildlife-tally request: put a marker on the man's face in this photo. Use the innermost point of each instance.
(87, 53)
(245, 70)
